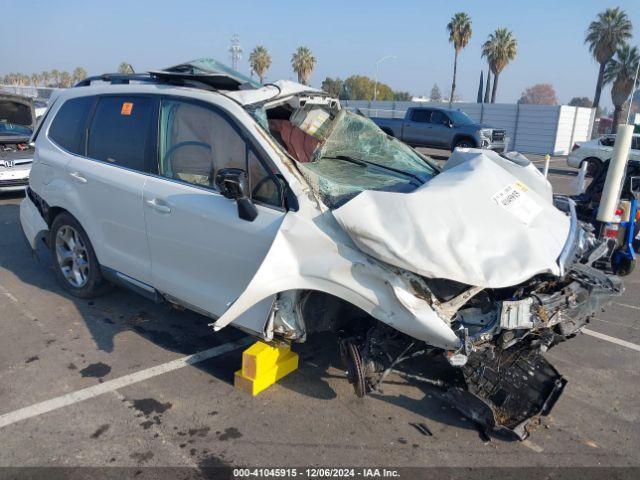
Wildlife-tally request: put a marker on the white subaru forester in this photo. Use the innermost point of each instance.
(271, 208)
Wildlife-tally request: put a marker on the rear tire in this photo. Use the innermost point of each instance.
(74, 260)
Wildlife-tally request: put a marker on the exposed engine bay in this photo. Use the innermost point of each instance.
(17, 121)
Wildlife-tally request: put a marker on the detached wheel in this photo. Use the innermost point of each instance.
(74, 261)
(353, 363)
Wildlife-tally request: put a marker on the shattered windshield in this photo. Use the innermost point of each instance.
(356, 156)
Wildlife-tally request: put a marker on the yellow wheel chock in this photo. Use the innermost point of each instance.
(263, 365)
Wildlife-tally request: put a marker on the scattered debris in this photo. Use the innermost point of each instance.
(101, 429)
(422, 428)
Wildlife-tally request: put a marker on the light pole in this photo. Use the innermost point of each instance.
(375, 84)
(633, 91)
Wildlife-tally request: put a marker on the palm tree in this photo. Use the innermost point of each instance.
(459, 34)
(125, 68)
(500, 48)
(45, 76)
(55, 77)
(35, 79)
(260, 61)
(303, 63)
(621, 71)
(604, 35)
(487, 88)
(79, 74)
(65, 79)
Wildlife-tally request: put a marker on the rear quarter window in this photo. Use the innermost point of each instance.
(68, 127)
(119, 131)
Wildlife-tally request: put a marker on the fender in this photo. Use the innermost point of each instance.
(315, 254)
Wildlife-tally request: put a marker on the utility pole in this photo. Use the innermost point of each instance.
(235, 50)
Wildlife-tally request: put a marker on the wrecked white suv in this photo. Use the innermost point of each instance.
(272, 209)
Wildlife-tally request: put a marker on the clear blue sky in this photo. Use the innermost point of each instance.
(346, 37)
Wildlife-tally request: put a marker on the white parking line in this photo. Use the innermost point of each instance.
(615, 340)
(628, 306)
(117, 383)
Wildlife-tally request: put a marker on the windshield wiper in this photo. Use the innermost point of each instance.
(396, 170)
(348, 159)
(364, 163)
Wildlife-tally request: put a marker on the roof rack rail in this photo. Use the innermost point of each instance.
(118, 78)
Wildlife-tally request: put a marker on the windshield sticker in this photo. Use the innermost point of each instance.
(126, 109)
(514, 199)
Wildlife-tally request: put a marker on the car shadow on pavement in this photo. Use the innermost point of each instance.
(186, 332)
(180, 331)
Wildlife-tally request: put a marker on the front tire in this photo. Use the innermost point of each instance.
(463, 143)
(74, 260)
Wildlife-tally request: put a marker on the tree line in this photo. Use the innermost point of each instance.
(53, 78)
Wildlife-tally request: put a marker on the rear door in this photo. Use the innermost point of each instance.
(108, 181)
(417, 127)
(202, 253)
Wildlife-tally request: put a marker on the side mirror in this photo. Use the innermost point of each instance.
(233, 184)
(635, 185)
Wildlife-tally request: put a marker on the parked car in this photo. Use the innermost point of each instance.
(17, 121)
(597, 151)
(272, 209)
(442, 128)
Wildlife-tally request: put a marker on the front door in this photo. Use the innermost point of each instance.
(441, 130)
(202, 253)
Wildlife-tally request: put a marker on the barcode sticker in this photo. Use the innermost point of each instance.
(516, 200)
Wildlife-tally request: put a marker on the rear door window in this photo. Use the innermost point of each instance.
(120, 131)
(421, 115)
(68, 127)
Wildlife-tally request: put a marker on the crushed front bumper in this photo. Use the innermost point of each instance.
(508, 384)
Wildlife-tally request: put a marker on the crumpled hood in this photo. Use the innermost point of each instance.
(484, 221)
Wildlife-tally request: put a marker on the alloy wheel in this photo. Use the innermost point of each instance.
(72, 256)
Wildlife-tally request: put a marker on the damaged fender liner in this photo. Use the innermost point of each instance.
(507, 391)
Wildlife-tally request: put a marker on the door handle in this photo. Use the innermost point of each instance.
(159, 206)
(78, 177)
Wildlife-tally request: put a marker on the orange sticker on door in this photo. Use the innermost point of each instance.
(126, 109)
